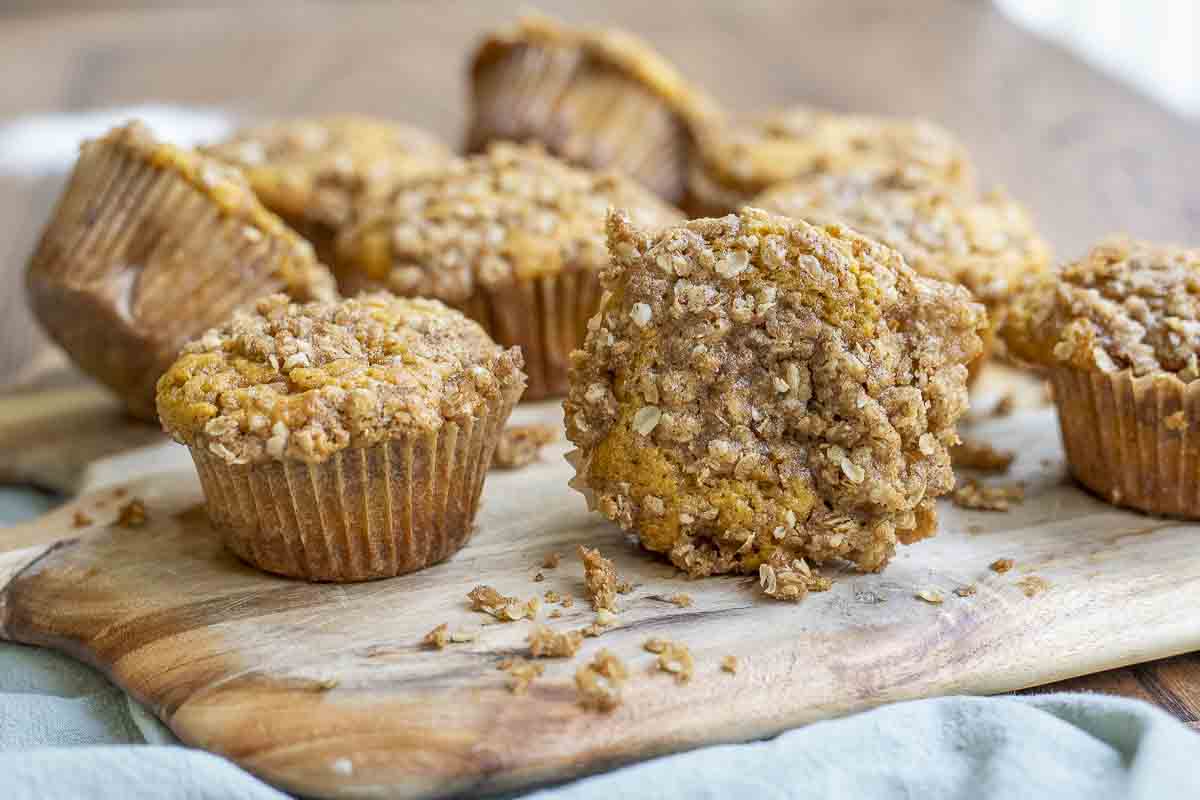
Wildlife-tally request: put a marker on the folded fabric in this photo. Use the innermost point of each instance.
(65, 732)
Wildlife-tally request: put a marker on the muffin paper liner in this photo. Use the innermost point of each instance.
(583, 113)
(1125, 441)
(134, 262)
(367, 512)
(545, 316)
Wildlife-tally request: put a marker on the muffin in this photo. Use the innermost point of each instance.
(597, 98)
(760, 391)
(1118, 333)
(149, 246)
(735, 162)
(315, 173)
(513, 237)
(342, 441)
(984, 242)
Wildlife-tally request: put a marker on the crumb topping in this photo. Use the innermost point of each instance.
(304, 276)
(487, 600)
(1127, 305)
(792, 581)
(545, 642)
(739, 160)
(972, 494)
(787, 391)
(520, 445)
(322, 169)
(512, 213)
(601, 579)
(305, 381)
(599, 683)
(986, 243)
(980, 455)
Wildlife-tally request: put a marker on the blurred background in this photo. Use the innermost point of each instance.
(1086, 111)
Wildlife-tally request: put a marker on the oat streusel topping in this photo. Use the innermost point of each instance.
(320, 170)
(304, 381)
(305, 277)
(986, 242)
(756, 389)
(1127, 305)
(509, 214)
(739, 160)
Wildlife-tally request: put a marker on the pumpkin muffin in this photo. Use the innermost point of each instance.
(315, 173)
(757, 391)
(342, 441)
(596, 97)
(149, 246)
(1119, 334)
(986, 243)
(737, 161)
(513, 237)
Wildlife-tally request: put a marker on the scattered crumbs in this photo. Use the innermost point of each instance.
(1001, 565)
(342, 766)
(460, 636)
(790, 581)
(437, 638)
(521, 673)
(624, 587)
(132, 514)
(1033, 585)
(551, 560)
(545, 642)
(505, 609)
(730, 664)
(673, 657)
(551, 596)
(1176, 421)
(567, 601)
(682, 600)
(980, 455)
(81, 520)
(520, 445)
(966, 590)
(555, 614)
(974, 529)
(1005, 405)
(601, 579)
(606, 618)
(538, 578)
(869, 597)
(974, 495)
(930, 596)
(599, 683)
(328, 683)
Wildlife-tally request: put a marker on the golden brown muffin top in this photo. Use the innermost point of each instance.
(305, 381)
(226, 186)
(986, 243)
(605, 48)
(1127, 304)
(748, 156)
(754, 386)
(512, 213)
(319, 169)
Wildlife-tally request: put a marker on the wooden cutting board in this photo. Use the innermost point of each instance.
(325, 690)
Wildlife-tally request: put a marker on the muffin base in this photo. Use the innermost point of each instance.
(136, 261)
(1120, 444)
(368, 512)
(583, 113)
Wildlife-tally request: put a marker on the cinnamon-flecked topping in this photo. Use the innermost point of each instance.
(757, 389)
(510, 214)
(304, 381)
(1127, 305)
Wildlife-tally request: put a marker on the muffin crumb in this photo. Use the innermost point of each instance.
(979, 455)
(1033, 585)
(792, 581)
(437, 638)
(673, 657)
(601, 579)
(521, 673)
(599, 683)
(931, 596)
(971, 494)
(506, 609)
(1001, 565)
(81, 520)
(967, 590)
(730, 664)
(682, 600)
(551, 560)
(545, 642)
(132, 514)
(520, 445)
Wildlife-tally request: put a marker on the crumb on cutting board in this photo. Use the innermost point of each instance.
(81, 520)
(599, 683)
(1033, 585)
(673, 657)
(979, 455)
(132, 514)
(1001, 565)
(521, 673)
(730, 664)
(601, 578)
(520, 445)
(545, 642)
(966, 590)
(551, 560)
(506, 609)
(790, 581)
(931, 596)
(971, 494)
(437, 638)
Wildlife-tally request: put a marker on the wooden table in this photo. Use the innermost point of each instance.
(1087, 155)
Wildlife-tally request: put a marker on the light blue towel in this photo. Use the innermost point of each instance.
(66, 732)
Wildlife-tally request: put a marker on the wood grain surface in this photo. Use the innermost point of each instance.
(325, 690)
